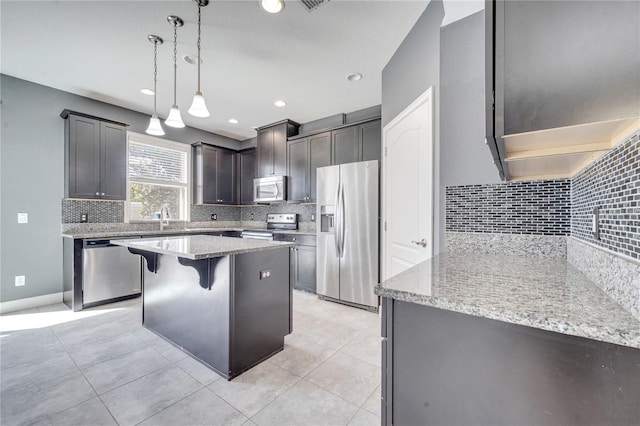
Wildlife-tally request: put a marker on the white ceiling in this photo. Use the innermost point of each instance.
(99, 49)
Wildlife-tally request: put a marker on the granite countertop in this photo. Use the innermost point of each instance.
(133, 230)
(543, 293)
(197, 247)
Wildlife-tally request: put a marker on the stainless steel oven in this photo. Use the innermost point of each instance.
(270, 189)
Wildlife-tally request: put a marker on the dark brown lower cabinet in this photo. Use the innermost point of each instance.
(447, 368)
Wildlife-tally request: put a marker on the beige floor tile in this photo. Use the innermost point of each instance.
(364, 418)
(373, 404)
(347, 377)
(365, 347)
(200, 408)
(254, 389)
(330, 334)
(301, 355)
(306, 404)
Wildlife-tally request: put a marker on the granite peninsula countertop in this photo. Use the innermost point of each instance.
(196, 247)
(548, 294)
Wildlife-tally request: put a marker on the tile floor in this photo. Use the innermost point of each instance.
(101, 367)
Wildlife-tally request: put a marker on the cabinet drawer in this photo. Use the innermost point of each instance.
(300, 240)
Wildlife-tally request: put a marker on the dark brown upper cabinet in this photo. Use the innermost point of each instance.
(95, 157)
(272, 148)
(214, 175)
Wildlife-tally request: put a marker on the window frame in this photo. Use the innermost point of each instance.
(161, 143)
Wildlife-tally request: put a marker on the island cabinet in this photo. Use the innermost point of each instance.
(214, 175)
(246, 163)
(360, 142)
(304, 156)
(230, 299)
(95, 157)
(272, 148)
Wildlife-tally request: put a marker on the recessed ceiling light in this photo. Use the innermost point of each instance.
(191, 59)
(280, 103)
(272, 6)
(233, 121)
(148, 92)
(356, 76)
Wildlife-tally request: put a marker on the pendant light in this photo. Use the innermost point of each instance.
(175, 119)
(155, 128)
(198, 106)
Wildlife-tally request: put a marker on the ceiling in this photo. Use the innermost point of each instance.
(99, 49)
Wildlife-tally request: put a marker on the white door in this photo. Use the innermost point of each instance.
(407, 194)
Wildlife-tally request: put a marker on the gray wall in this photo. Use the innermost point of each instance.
(32, 174)
(464, 157)
(413, 68)
(451, 60)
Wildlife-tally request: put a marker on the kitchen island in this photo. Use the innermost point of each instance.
(225, 301)
(502, 339)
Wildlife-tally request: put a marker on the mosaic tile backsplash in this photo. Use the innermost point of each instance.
(304, 211)
(540, 207)
(611, 183)
(97, 211)
(202, 213)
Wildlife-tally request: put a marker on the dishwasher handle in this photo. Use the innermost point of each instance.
(97, 243)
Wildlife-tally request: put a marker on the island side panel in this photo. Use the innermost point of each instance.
(261, 306)
(453, 368)
(187, 303)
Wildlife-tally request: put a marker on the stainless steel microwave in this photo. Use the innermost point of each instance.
(270, 189)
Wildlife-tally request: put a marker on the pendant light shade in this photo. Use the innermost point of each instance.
(198, 106)
(155, 128)
(175, 118)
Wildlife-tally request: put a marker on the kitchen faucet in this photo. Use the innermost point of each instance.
(164, 215)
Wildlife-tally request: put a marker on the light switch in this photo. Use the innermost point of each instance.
(23, 217)
(265, 274)
(20, 280)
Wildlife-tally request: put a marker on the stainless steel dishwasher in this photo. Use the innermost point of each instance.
(109, 273)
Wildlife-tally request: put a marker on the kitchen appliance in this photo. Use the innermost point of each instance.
(275, 221)
(348, 253)
(271, 189)
(109, 273)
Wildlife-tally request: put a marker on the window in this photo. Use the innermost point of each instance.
(158, 176)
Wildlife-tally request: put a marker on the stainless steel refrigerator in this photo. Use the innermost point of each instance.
(347, 252)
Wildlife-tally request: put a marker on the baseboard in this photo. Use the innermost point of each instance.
(30, 302)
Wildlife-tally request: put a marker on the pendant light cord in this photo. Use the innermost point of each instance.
(198, 47)
(175, 63)
(155, 75)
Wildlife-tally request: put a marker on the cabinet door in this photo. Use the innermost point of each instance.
(280, 150)
(113, 164)
(305, 268)
(84, 157)
(319, 156)
(345, 145)
(265, 152)
(298, 170)
(247, 174)
(225, 177)
(371, 140)
(209, 175)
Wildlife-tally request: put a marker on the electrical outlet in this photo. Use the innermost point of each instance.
(251, 216)
(20, 280)
(214, 216)
(23, 217)
(265, 274)
(595, 223)
(84, 217)
(313, 217)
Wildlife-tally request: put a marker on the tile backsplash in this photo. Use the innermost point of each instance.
(202, 213)
(97, 211)
(259, 213)
(540, 207)
(611, 183)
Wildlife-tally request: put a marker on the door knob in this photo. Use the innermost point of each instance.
(422, 243)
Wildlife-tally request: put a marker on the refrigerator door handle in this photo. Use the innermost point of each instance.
(336, 231)
(342, 216)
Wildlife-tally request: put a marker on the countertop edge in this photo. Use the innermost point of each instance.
(618, 337)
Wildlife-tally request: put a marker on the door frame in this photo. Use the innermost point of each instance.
(425, 97)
